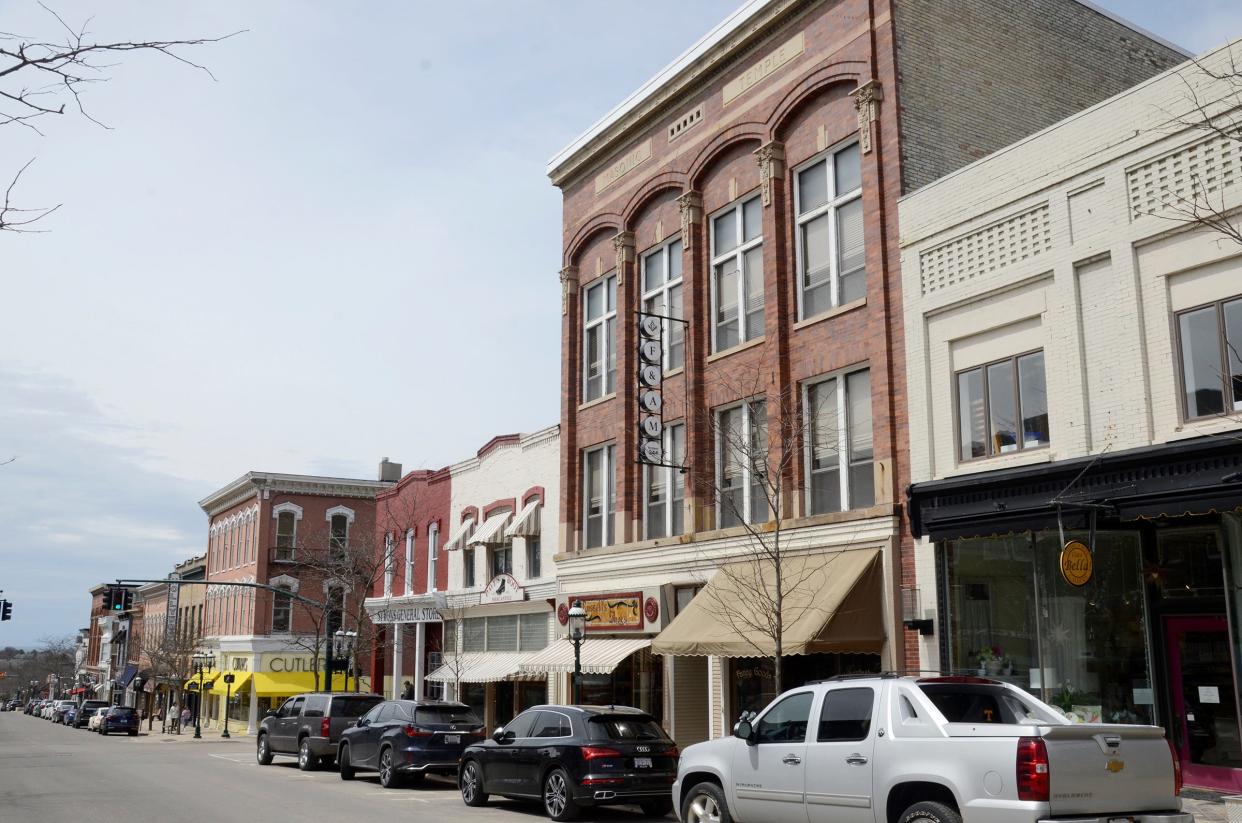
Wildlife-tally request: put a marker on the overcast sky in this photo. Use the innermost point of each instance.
(343, 248)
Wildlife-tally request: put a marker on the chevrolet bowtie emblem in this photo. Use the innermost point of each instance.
(1115, 766)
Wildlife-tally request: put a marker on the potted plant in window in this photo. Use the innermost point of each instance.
(990, 658)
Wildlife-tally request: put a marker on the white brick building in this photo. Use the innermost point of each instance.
(1074, 351)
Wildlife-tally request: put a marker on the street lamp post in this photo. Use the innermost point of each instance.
(202, 665)
(577, 632)
(228, 693)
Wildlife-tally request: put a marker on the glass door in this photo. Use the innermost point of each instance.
(1205, 706)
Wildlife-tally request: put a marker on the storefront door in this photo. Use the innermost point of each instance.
(1205, 706)
(504, 703)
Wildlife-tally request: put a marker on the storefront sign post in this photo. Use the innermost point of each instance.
(577, 631)
(228, 693)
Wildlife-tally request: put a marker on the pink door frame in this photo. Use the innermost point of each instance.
(1212, 777)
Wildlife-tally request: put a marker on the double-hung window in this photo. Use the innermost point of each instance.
(839, 446)
(598, 500)
(286, 535)
(502, 559)
(742, 464)
(662, 296)
(665, 486)
(737, 274)
(390, 563)
(599, 347)
(338, 540)
(433, 554)
(1210, 340)
(282, 610)
(1002, 407)
(534, 558)
(409, 561)
(831, 255)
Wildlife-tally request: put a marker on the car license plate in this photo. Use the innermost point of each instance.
(642, 762)
(452, 738)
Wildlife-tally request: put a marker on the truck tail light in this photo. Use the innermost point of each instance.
(1032, 775)
(325, 727)
(597, 752)
(1177, 768)
(417, 731)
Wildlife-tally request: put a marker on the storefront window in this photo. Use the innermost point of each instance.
(638, 681)
(753, 679)
(1094, 637)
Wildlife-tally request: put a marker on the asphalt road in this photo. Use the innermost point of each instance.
(55, 774)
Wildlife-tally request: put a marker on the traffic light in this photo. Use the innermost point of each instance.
(127, 599)
(109, 599)
(6, 610)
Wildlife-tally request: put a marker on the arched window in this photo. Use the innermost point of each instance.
(282, 611)
(338, 540)
(286, 535)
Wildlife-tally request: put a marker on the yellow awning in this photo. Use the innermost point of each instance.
(240, 681)
(831, 603)
(208, 677)
(274, 684)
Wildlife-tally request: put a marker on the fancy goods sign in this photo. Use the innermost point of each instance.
(1076, 563)
(608, 612)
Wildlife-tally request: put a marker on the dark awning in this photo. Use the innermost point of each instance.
(126, 676)
(1196, 476)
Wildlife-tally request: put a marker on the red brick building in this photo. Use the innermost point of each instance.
(750, 190)
(288, 531)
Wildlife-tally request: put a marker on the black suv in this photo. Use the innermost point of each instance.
(409, 737)
(309, 726)
(120, 719)
(570, 757)
(83, 715)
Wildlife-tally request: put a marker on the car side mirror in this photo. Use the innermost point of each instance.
(363, 722)
(745, 731)
(271, 713)
(503, 735)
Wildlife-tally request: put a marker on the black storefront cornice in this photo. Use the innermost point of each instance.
(1197, 475)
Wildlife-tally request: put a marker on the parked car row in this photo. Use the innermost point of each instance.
(94, 715)
(565, 757)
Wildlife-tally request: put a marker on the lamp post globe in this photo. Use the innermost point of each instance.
(577, 632)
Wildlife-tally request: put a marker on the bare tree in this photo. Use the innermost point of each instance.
(42, 76)
(168, 655)
(758, 441)
(452, 642)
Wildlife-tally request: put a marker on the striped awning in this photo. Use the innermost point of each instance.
(457, 540)
(600, 655)
(493, 529)
(526, 524)
(479, 667)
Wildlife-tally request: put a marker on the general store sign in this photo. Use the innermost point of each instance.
(407, 614)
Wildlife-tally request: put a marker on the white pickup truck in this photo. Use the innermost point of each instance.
(888, 749)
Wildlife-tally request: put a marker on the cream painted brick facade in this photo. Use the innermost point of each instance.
(1070, 242)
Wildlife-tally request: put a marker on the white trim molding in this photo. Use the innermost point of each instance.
(335, 510)
(285, 580)
(280, 508)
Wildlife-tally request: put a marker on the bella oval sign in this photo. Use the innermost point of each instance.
(1076, 563)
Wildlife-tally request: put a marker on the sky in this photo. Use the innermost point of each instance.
(343, 247)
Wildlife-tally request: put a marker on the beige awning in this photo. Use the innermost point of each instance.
(832, 603)
(600, 655)
(479, 667)
(458, 537)
(526, 524)
(492, 531)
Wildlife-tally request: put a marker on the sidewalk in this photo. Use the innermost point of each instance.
(212, 735)
(1205, 806)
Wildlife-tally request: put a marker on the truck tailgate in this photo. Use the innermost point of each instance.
(1101, 768)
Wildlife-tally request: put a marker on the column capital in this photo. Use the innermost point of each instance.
(623, 243)
(569, 285)
(771, 159)
(866, 101)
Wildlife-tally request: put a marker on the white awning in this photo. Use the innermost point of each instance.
(458, 537)
(493, 529)
(479, 667)
(526, 524)
(600, 655)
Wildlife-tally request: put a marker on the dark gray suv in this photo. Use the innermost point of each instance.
(309, 726)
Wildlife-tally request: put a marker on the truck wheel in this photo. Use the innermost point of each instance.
(264, 753)
(928, 810)
(705, 803)
(307, 762)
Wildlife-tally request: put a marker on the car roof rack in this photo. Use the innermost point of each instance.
(841, 678)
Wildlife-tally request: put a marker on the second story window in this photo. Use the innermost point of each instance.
(1002, 407)
(433, 555)
(338, 540)
(502, 559)
(282, 611)
(286, 535)
(1210, 342)
(534, 558)
(599, 344)
(467, 567)
(662, 296)
(409, 561)
(741, 464)
(839, 444)
(664, 512)
(831, 255)
(737, 274)
(390, 563)
(598, 500)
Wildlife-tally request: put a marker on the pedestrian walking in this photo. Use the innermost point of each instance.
(185, 718)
